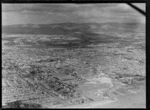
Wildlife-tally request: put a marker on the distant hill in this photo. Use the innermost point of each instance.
(70, 28)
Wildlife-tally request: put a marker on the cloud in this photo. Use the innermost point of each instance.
(57, 13)
(35, 7)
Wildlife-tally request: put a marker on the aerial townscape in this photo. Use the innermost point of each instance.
(73, 65)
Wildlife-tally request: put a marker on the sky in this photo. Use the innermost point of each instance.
(13, 14)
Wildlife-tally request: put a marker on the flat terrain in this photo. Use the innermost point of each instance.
(137, 100)
(71, 65)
